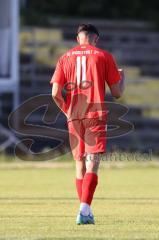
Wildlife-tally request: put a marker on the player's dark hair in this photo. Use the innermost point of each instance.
(88, 28)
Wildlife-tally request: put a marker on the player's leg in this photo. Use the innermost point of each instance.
(90, 182)
(80, 172)
(95, 145)
(93, 162)
(78, 148)
(78, 151)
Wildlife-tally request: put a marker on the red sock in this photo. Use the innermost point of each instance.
(90, 182)
(79, 187)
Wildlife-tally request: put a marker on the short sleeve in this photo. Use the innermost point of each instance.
(112, 75)
(58, 76)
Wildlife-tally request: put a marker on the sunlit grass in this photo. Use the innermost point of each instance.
(42, 204)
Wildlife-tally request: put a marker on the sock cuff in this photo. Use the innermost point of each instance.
(79, 180)
(92, 175)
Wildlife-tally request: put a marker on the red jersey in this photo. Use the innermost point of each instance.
(83, 71)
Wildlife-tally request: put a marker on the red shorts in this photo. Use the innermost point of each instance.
(87, 136)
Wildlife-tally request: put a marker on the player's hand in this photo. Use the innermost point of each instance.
(122, 80)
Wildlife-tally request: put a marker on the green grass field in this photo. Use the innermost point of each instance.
(40, 203)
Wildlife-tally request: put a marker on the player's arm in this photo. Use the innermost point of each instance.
(117, 89)
(115, 78)
(57, 96)
(58, 81)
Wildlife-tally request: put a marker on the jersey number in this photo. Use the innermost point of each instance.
(81, 69)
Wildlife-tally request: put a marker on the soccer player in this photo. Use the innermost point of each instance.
(82, 72)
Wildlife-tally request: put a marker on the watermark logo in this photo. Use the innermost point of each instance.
(19, 123)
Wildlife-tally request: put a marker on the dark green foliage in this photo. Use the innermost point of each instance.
(39, 12)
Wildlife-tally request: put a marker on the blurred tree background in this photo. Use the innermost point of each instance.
(39, 12)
